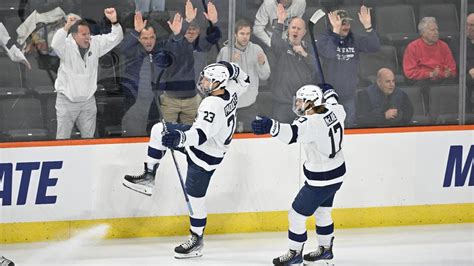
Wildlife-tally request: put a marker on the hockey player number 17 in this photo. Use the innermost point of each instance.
(332, 134)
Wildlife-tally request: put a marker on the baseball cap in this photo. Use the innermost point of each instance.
(343, 15)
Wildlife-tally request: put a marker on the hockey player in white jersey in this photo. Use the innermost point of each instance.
(320, 130)
(205, 143)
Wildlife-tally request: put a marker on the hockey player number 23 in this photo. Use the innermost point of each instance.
(231, 124)
(337, 128)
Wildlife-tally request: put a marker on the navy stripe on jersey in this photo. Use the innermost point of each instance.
(323, 176)
(210, 160)
(202, 136)
(198, 222)
(325, 230)
(155, 153)
(296, 237)
(294, 129)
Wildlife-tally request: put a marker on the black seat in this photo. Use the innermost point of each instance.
(12, 77)
(420, 114)
(370, 63)
(264, 103)
(446, 16)
(107, 72)
(396, 24)
(110, 111)
(423, 2)
(320, 26)
(22, 119)
(38, 75)
(444, 104)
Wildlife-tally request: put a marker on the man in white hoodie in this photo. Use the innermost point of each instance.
(251, 59)
(266, 17)
(76, 82)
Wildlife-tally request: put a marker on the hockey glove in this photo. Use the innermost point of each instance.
(328, 92)
(233, 69)
(264, 125)
(173, 139)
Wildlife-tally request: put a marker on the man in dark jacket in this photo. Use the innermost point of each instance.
(340, 49)
(382, 104)
(294, 66)
(143, 65)
(180, 100)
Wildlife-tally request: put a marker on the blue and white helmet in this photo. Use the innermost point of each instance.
(217, 75)
(307, 97)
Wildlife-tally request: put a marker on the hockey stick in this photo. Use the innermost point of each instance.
(210, 23)
(167, 62)
(312, 21)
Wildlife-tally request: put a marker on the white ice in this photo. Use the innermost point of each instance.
(404, 245)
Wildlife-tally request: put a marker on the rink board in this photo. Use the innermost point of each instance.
(49, 192)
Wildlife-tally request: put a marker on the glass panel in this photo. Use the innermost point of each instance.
(156, 65)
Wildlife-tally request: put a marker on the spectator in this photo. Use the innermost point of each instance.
(340, 49)
(76, 82)
(266, 17)
(470, 61)
(382, 104)
(428, 60)
(294, 66)
(251, 59)
(145, 6)
(180, 100)
(144, 54)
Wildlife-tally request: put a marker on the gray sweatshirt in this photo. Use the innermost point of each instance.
(266, 18)
(248, 62)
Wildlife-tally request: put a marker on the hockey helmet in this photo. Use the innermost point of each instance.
(307, 97)
(217, 76)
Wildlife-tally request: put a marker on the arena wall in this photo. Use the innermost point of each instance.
(407, 176)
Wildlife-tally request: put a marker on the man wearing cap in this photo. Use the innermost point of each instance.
(340, 47)
(180, 100)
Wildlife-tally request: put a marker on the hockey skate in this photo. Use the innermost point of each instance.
(143, 183)
(6, 262)
(291, 257)
(322, 254)
(190, 248)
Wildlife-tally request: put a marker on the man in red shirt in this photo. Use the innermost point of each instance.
(428, 60)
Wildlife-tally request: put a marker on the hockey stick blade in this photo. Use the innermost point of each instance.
(317, 16)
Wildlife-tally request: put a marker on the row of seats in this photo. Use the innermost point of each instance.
(442, 104)
(41, 74)
(30, 114)
(398, 23)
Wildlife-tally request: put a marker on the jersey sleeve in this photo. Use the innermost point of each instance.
(207, 123)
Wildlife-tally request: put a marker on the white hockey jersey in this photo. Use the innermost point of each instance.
(208, 139)
(322, 136)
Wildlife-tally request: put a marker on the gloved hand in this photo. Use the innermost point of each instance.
(264, 125)
(173, 139)
(325, 86)
(328, 91)
(233, 69)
